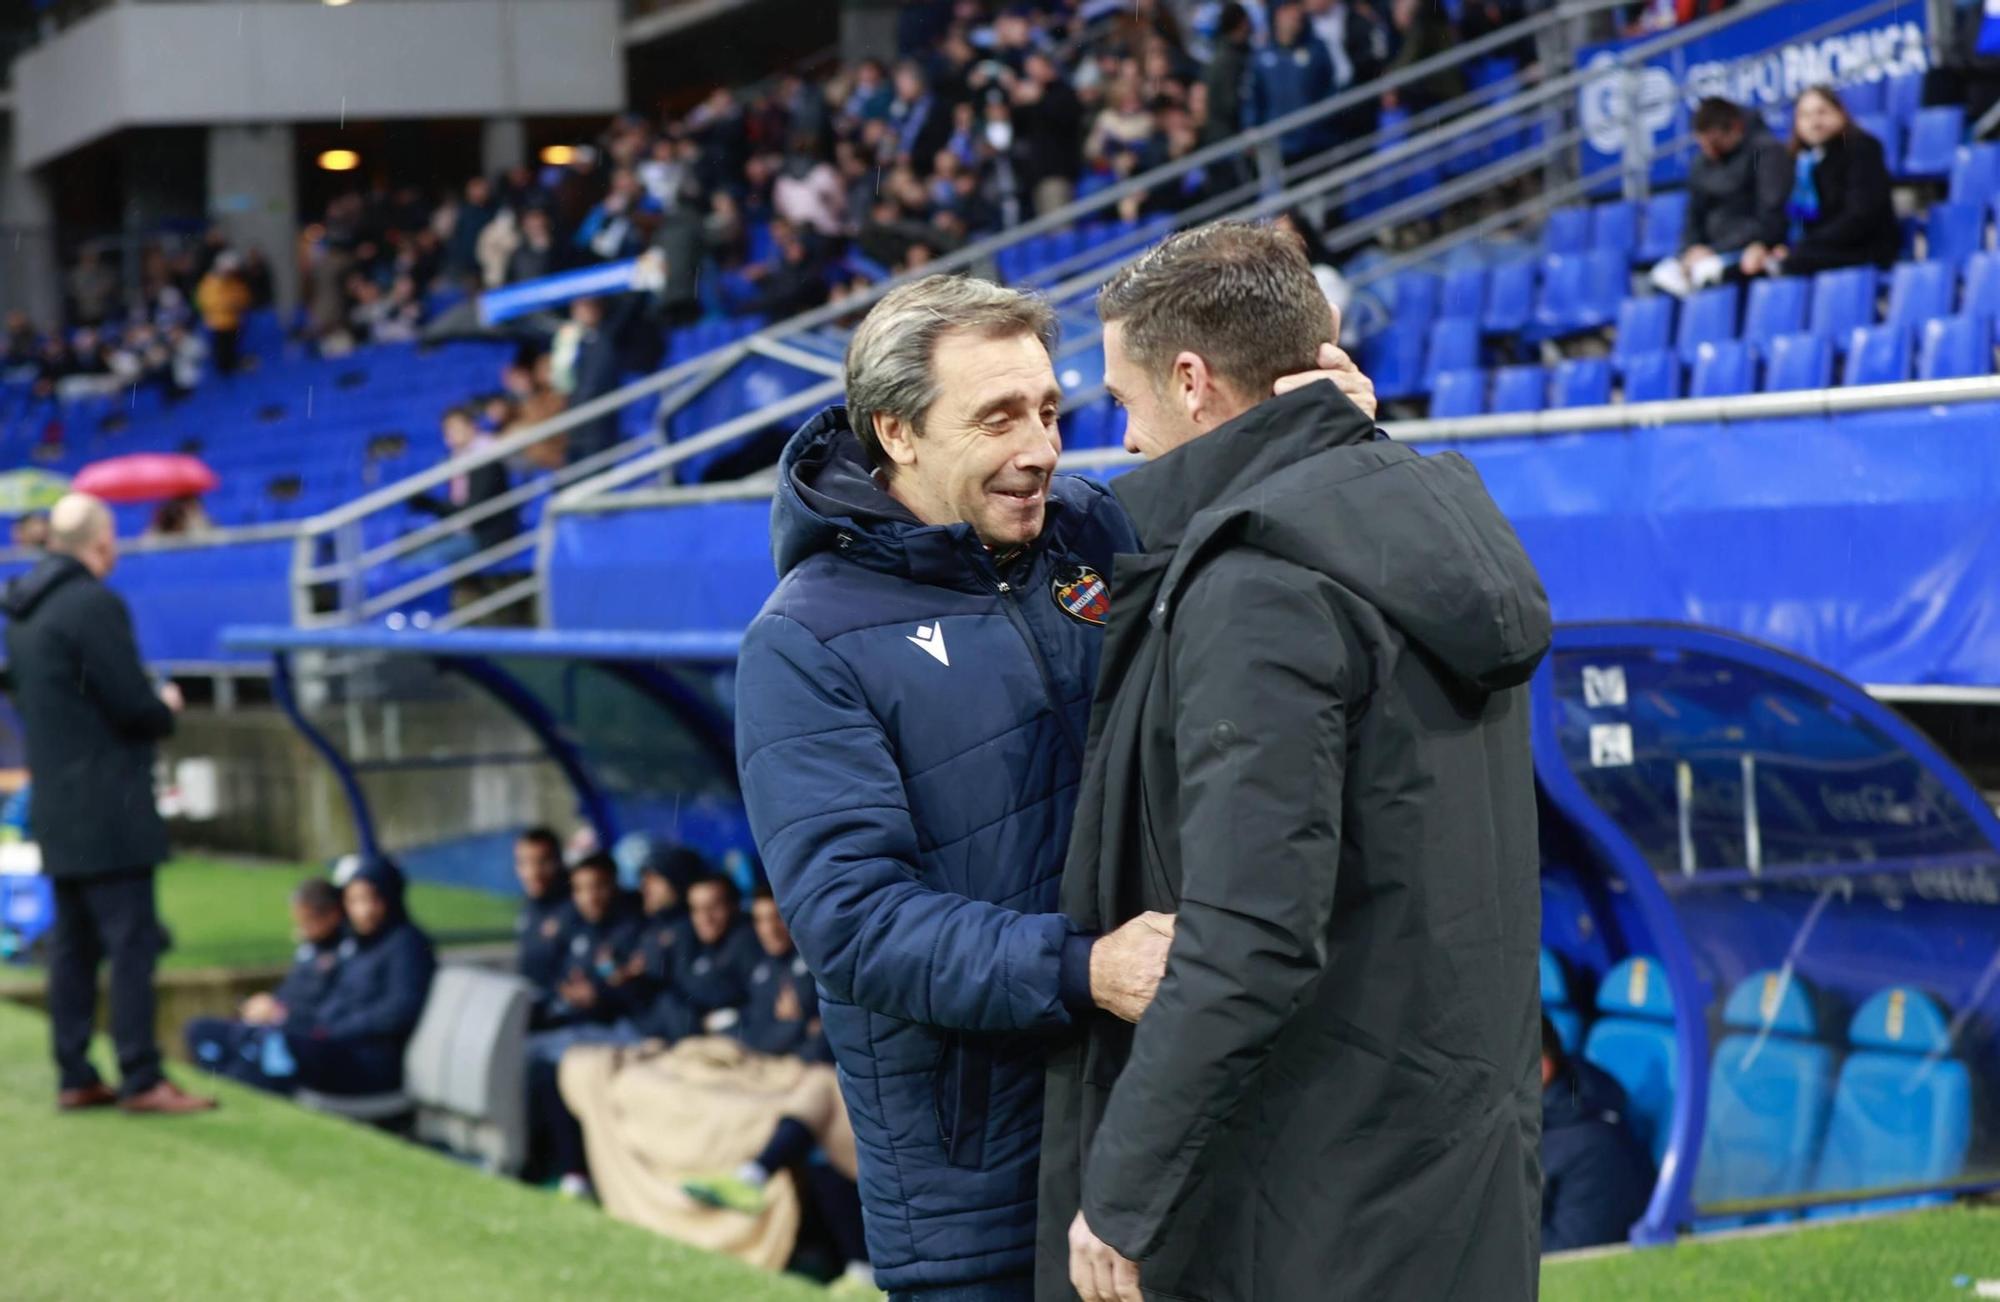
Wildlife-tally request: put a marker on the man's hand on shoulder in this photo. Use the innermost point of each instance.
(1337, 366)
(1126, 966)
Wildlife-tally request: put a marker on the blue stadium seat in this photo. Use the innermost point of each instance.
(1769, 1090)
(1864, 97)
(1954, 232)
(1464, 292)
(1919, 291)
(1645, 325)
(1886, 129)
(1878, 355)
(1956, 348)
(1458, 393)
(1413, 297)
(1614, 228)
(1775, 306)
(1935, 135)
(1510, 297)
(1555, 1002)
(1652, 377)
(1903, 96)
(1454, 346)
(1707, 317)
(1799, 361)
(1902, 1107)
(1660, 232)
(1842, 300)
(1566, 231)
(1580, 291)
(1582, 382)
(1394, 359)
(1975, 174)
(1519, 389)
(1722, 370)
(1633, 1042)
(1982, 286)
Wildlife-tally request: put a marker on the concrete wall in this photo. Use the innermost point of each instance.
(30, 278)
(252, 196)
(181, 63)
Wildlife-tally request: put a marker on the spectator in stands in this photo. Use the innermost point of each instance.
(180, 517)
(617, 227)
(222, 299)
(1738, 185)
(919, 122)
(808, 192)
(234, 1048)
(542, 939)
(470, 489)
(1840, 203)
(30, 532)
(1228, 73)
(468, 219)
(1289, 74)
(93, 289)
(1596, 1176)
(1422, 33)
(91, 716)
(536, 255)
(1048, 124)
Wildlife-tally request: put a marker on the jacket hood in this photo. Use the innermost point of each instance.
(1305, 477)
(828, 499)
(25, 591)
(1581, 1093)
(387, 879)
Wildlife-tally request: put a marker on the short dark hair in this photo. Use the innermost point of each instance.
(317, 894)
(725, 881)
(1235, 18)
(1241, 296)
(1717, 114)
(545, 839)
(600, 862)
(1552, 1045)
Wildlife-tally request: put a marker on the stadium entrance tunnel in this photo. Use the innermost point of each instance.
(621, 733)
(1770, 907)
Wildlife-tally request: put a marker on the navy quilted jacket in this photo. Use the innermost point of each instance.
(910, 722)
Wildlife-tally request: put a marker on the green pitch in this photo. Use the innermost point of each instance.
(263, 1202)
(1913, 1256)
(226, 914)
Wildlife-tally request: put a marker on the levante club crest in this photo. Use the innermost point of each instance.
(1082, 594)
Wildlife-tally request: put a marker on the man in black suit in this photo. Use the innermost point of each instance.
(92, 716)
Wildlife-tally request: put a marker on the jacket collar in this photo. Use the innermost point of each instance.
(1163, 497)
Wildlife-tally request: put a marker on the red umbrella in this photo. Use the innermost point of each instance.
(145, 477)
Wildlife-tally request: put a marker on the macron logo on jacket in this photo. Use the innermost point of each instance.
(930, 638)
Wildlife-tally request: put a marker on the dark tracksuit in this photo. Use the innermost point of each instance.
(1310, 743)
(542, 943)
(91, 717)
(599, 951)
(781, 1017)
(354, 1044)
(1596, 1175)
(705, 979)
(234, 1049)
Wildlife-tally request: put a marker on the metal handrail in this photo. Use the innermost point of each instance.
(1614, 419)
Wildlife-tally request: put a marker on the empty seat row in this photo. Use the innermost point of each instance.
(1781, 1119)
(1578, 382)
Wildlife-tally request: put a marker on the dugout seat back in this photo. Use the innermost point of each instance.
(1633, 1041)
(1555, 1002)
(465, 1073)
(1769, 1090)
(1902, 1108)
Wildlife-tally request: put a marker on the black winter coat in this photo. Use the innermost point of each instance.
(1856, 226)
(1311, 743)
(1739, 200)
(91, 716)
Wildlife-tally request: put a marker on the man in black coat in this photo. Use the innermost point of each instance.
(1310, 743)
(1596, 1175)
(92, 716)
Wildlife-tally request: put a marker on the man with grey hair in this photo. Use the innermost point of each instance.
(1310, 746)
(911, 707)
(91, 717)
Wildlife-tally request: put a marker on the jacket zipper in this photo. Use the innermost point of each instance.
(1010, 601)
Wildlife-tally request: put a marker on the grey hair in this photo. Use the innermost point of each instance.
(1241, 296)
(76, 521)
(891, 367)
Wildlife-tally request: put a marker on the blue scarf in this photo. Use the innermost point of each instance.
(1805, 205)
